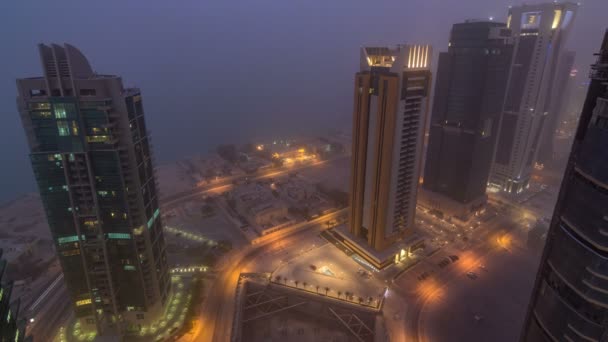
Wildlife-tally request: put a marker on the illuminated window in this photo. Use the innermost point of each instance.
(71, 252)
(556, 18)
(90, 223)
(8, 316)
(138, 231)
(68, 239)
(130, 308)
(129, 268)
(83, 302)
(42, 114)
(530, 20)
(103, 193)
(123, 236)
(63, 128)
(97, 138)
(1, 292)
(509, 21)
(60, 111)
(74, 128)
(154, 217)
(40, 105)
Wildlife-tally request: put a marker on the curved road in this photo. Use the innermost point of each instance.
(217, 313)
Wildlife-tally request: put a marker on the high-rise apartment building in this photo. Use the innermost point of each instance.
(469, 91)
(570, 298)
(91, 157)
(558, 104)
(539, 32)
(390, 106)
(12, 328)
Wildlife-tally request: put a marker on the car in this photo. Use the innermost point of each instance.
(454, 258)
(472, 275)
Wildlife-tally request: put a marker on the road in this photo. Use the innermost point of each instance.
(226, 184)
(50, 311)
(217, 313)
(472, 254)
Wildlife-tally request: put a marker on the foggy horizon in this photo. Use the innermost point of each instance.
(213, 73)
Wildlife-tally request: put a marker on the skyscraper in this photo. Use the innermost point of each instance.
(391, 101)
(558, 103)
(570, 298)
(92, 161)
(469, 92)
(539, 32)
(11, 327)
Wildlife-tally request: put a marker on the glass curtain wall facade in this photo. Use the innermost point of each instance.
(469, 92)
(570, 297)
(91, 158)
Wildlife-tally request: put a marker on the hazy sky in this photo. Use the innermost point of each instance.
(221, 71)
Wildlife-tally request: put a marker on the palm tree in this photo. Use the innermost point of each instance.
(326, 290)
(347, 295)
(277, 278)
(317, 288)
(296, 282)
(339, 294)
(304, 284)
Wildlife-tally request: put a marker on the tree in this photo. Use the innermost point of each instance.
(285, 281)
(317, 288)
(228, 152)
(326, 290)
(225, 245)
(277, 278)
(248, 148)
(207, 210)
(304, 284)
(296, 282)
(339, 294)
(360, 300)
(231, 203)
(209, 174)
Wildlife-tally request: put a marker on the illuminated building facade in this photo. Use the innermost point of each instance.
(91, 157)
(469, 92)
(390, 105)
(570, 297)
(539, 33)
(11, 327)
